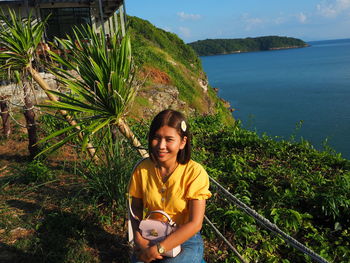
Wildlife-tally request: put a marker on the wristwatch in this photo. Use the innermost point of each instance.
(160, 249)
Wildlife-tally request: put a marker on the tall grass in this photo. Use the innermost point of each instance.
(107, 183)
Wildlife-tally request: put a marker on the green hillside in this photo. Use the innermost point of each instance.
(226, 46)
(164, 62)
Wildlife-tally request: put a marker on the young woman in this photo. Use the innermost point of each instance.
(170, 181)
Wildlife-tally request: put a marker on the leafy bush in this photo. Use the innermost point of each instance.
(304, 191)
(143, 30)
(36, 171)
(108, 182)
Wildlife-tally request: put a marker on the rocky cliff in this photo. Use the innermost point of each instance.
(170, 74)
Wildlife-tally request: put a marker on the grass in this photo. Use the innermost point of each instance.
(53, 219)
(57, 222)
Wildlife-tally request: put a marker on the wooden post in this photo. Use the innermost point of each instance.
(116, 22)
(111, 26)
(5, 116)
(102, 22)
(122, 19)
(29, 115)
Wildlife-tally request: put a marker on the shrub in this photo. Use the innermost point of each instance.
(108, 182)
(36, 171)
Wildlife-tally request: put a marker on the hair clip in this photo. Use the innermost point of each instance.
(183, 126)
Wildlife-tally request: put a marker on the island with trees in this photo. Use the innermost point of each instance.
(209, 47)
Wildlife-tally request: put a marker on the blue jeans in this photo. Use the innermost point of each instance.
(191, 252)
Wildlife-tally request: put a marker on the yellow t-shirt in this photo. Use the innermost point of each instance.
(188, 181)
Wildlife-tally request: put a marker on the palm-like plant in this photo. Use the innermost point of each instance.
(19, 39)
(100, 80)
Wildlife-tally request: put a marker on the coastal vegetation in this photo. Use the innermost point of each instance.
(164, 61)
(66, 207)
(303, 191)
(209, 47)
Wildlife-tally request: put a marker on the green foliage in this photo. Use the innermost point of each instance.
(50, 123)
(20, 38)
(108, 182)
(101, 90)
(143, 31)
(37, 171)
(226, 46)
(303, 191)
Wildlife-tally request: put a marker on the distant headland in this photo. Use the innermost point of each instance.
(209, 47)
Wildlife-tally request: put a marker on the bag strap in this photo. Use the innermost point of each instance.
(128, 205)
(171, 222)
(128, 194)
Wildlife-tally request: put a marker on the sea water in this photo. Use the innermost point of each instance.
(302, 92)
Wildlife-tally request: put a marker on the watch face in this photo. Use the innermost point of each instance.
(160, 249)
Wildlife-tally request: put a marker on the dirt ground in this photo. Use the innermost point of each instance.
(53, 221)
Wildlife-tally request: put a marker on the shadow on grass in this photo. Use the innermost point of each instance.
(66, 237)
(9, 254)
(16, 158)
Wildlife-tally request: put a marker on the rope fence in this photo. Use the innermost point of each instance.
(224, 239)
(267, 224)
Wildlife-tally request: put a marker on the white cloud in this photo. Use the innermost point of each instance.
(184, 31)
(332, 8)
(280, 20)
(302, 17)
(251, 22)
(185, 16)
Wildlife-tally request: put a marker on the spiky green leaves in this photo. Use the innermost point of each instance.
(98, 79)
(19, 39)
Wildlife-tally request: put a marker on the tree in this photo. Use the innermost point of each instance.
(99, 81)
(20, 38)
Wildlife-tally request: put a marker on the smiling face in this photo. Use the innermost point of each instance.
(179, 130)
(166, 143)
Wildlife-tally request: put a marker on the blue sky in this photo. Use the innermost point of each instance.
(201, 19)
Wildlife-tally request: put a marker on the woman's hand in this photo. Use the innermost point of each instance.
(149, 254)
(142, 243)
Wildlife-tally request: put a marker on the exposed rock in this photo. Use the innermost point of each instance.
(162, 97)
(155, 75)
(226, 103)
(16, 93)
(204, 84)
